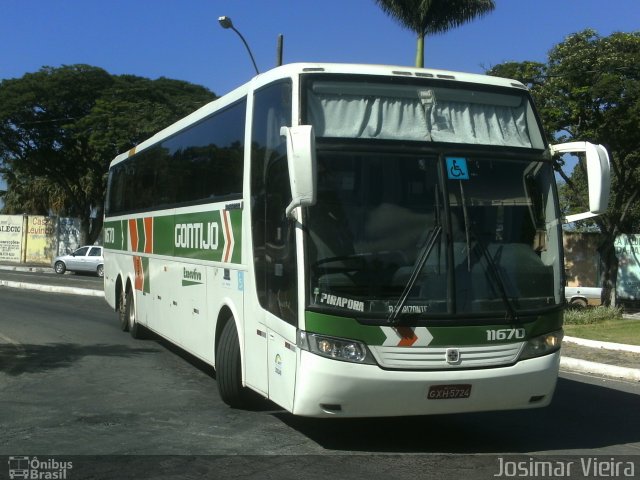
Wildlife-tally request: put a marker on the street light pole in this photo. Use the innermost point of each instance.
(225, 22)
(279, 50)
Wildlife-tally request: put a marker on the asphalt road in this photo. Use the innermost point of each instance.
(71, 383)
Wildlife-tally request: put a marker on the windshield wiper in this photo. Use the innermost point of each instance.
(493, 270)
(417, 268)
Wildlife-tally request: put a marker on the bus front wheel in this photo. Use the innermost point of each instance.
(228, 366)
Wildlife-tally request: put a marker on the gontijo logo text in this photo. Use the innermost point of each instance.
(196, 235)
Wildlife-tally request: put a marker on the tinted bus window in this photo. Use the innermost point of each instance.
(203, 163)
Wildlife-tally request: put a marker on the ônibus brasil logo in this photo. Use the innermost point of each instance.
(36, 469)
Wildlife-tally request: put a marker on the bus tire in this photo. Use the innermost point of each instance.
(135, 329)
(229, 367)
(122, 311)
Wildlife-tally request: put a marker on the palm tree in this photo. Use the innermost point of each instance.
(426, 17)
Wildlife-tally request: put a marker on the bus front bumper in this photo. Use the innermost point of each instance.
(329, 388)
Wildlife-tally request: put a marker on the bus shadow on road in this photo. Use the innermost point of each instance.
(581, 417)
(253, 401)
(19, 359)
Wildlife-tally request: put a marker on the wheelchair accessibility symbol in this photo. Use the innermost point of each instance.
(457, 168)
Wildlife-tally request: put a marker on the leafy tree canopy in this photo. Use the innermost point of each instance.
(589, 89)
(61, 127)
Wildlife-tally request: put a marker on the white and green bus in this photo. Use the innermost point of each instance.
(352, 240)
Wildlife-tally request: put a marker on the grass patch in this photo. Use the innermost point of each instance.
(591, 316)
(602, 323)
(616, 331)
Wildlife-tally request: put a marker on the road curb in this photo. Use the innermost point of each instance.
(21, 268)
(603, 369)
(609, 371)
(603, 345)
(53, 289)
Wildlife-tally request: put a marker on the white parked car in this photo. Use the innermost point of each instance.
(85, 259)
(583, 296)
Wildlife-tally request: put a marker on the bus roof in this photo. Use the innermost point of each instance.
(390, 70)
(295, 69)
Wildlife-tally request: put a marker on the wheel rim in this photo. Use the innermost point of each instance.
(122, 311)
(132, 313)
(100, 271)
(121, 302)
(59, 267)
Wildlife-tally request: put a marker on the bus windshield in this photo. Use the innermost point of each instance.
(403, 227)
(378, 213)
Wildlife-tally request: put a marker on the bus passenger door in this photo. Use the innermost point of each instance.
(255, 341)
(282, 361)
(273, 236)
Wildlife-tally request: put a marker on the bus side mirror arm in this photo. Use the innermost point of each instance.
(301, 160)
(598, 173)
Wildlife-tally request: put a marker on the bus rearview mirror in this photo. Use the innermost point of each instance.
(598, 173)
(301, 159)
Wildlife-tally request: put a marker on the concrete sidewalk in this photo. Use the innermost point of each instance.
(42, 285)
(611, 360)
(578, 355)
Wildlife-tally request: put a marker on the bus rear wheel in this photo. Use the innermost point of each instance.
(228, 367)
(135, 329)
(122, 311)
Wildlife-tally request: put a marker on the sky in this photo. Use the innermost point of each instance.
(182, 39)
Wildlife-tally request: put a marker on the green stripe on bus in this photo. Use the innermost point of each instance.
(147, 281)
(141, 234)
(200, 236)
(236, 226)
(116, 234)
(346, 327)
(163, 235)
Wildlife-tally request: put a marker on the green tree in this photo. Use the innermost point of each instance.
(428, 17)
(61, 127)
(532, 74)
(34, 195)
(589, 89)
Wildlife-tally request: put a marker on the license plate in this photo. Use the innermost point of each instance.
(449, 392)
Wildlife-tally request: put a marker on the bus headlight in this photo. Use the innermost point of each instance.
(542, 345)
(336, 348)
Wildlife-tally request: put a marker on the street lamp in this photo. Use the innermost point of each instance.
(225, 22)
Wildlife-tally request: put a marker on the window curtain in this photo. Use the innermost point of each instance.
(391, 118)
